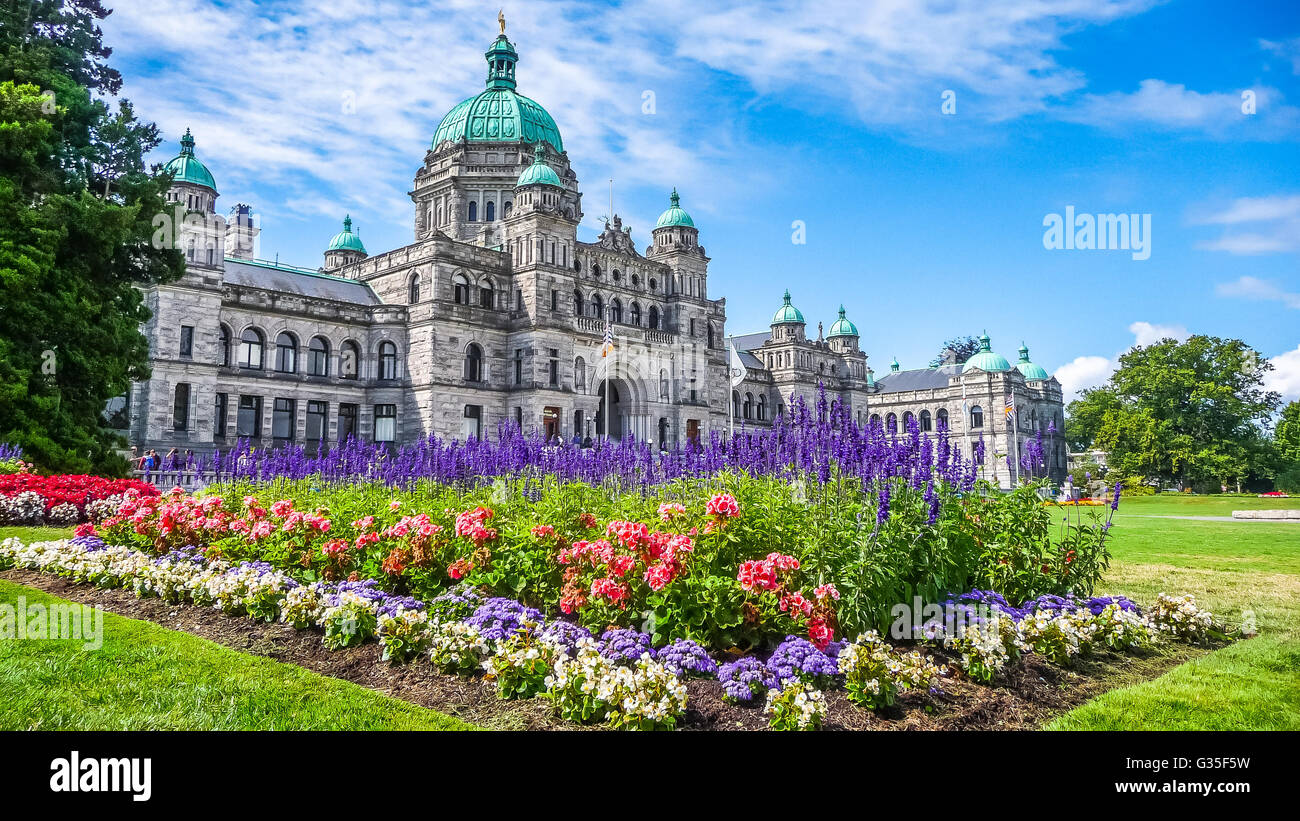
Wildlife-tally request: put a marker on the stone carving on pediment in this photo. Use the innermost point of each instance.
(617, 238)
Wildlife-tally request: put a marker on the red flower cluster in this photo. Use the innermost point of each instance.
(774, 575)
(766, 574)
(71, 489)
(661, 555)
(720, 509)
(470, 525)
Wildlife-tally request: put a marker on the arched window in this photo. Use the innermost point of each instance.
(181, 407)
(491, 211)
(891, 423)
(318, 356)
(749, 406)
(580, 375)
(654, 318)
(926, 425)
(473, 212)
(709, 330)
(875, 420)
(474, 363)
(486, 295)
(735, 404)
(413, 292)
(941, 419)
(653, 283)
(597, 306)
(250, 349)
(907, 420)
(595, 271)
(387, 360)
(224, 353)
(615, 310)
(636, 313)
(460, 289)
(577, 303)
(663, 385)
(762, 407)
(350, 360)
(286, 353)
(505, 210)
(977, 417)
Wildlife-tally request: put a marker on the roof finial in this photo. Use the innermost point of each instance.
(841, 310)
(501, 18)
(347, 223)
(674, 199)
(187, 143)
(787, 296)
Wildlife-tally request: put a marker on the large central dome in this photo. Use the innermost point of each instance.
(499, 113)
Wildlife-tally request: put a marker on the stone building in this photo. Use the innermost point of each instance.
(496, 312)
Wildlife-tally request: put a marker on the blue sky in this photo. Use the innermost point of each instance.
(924, 224)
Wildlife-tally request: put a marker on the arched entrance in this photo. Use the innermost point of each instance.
(612, 407)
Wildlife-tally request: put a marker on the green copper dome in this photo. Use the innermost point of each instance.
(986, 360)
(345, 240)
(539, 172)
(1028, 369)
(894, 366)
(787, 312)
(842, 327)
(185, 167)
(676, 216)
(499, 113)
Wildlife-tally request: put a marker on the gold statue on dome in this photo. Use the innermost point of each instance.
(501, 18)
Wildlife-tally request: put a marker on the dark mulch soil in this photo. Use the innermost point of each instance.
(1025, 697)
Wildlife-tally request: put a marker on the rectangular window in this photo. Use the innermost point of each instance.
(347, 422)
(519, 299)
(553, 368)
(181, 407)
(473, 426)
(248, 424)
(187, 341)
(519, 366)
(282, 419)
(555, 300)
(385, 423)
(317, 421)
(219, 421)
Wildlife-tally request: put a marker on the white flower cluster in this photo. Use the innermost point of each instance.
(26, 508)
(349, 621)
(97, 510)
(106, 567)
(1059, 637)
(1181, 617)
(250, 589)
(874, 672)
(590, 687)
(458, 647)
(303, 606)
(405, 634)
(65, 514)
(1121, 629)
(986, 646)
(175, 579)
(799, 706)
(520, 652)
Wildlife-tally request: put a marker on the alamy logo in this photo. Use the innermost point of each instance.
(68, 622)
(128, 775)
(1100, 232)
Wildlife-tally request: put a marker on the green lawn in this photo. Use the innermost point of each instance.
(1234, 568)
(35, 534)
(146, 677)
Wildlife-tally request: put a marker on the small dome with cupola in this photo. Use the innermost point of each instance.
(539, 173)
(787, 312)
(675, 215)
(986, 360)
(346, 240)
(1028, 369)
(842, 326)
(186, 168)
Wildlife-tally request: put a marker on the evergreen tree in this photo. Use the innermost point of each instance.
(76, 206)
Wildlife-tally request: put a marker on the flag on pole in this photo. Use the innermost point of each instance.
(737, 368)
(607, 344)
(1010, 410)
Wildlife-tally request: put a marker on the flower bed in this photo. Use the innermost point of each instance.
(618, 678)
(64, 499)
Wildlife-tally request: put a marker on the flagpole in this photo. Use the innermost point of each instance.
(731, 408)
(1015, 442)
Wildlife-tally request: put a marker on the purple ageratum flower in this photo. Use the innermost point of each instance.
(500, 618)
(745, 678)
(1099, 603)
(687, 659)
(624, 645)
(797, 659)
(456, 604)
(564, 634)
(89, 544)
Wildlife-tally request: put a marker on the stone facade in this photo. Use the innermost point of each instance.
(495, 313)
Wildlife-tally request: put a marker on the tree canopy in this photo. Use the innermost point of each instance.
(76, 205)
(1190, 412)
(956, 351)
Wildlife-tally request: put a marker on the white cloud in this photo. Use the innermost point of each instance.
(1274, 221)
(1091, 371)
(1083, 372)
(1247, 287)
(1285, 376)
(1146, 333)
(1286, 50)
